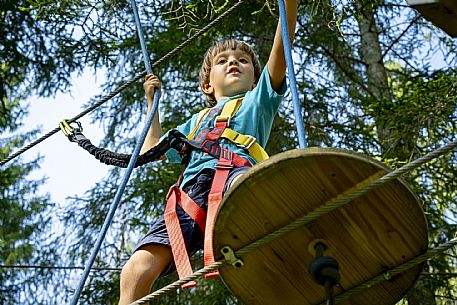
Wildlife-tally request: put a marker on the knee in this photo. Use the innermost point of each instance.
(135, 269)
(144, 265)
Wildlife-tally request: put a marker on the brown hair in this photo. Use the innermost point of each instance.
(220, 46)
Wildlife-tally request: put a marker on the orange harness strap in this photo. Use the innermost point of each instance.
(178, 247)
(204, 220)
(223, 168)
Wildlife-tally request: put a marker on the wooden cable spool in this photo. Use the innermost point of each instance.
(367, 236)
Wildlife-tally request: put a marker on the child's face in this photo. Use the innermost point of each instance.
(232, 73)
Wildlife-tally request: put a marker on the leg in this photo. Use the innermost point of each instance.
(141, 270)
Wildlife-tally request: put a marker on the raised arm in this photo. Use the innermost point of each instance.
(155, 131)
(277, 61)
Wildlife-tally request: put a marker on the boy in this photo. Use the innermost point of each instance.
(230, 70)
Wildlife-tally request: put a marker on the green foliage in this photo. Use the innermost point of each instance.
(24, 213)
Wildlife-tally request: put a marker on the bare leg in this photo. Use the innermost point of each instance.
(141, 271)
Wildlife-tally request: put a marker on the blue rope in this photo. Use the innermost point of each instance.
(147, 63)
(125, 179)
(291, 74)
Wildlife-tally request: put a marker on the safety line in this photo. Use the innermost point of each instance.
(360, 189)
(58, 267)
(119, 269)
(376, 280)
(128, 83)
(299, 122)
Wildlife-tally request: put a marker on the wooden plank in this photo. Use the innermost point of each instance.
(371, 234)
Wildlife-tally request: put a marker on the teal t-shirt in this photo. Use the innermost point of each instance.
(254, 117)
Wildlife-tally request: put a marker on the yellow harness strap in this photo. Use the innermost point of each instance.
(246, 141)
(230, 109)
(201, 114)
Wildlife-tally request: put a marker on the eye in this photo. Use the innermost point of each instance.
(243, 60)
(221, 61)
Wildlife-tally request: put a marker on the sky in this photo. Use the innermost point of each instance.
(69, 169)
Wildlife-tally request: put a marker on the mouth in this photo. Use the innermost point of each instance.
(233, 70)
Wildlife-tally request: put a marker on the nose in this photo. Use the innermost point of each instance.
(233, 61)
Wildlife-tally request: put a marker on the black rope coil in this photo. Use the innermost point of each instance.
(109, 157)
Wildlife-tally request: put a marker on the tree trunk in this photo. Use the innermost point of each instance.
(401, 146)
(375, 72)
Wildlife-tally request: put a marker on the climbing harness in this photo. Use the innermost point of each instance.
(206, 139)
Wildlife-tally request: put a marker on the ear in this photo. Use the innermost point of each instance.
(207, 88)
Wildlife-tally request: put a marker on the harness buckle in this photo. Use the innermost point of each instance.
(221, 166)
(225, 159)
(223, 118)
(248, 142)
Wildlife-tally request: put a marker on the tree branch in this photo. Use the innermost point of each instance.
(400, 36)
